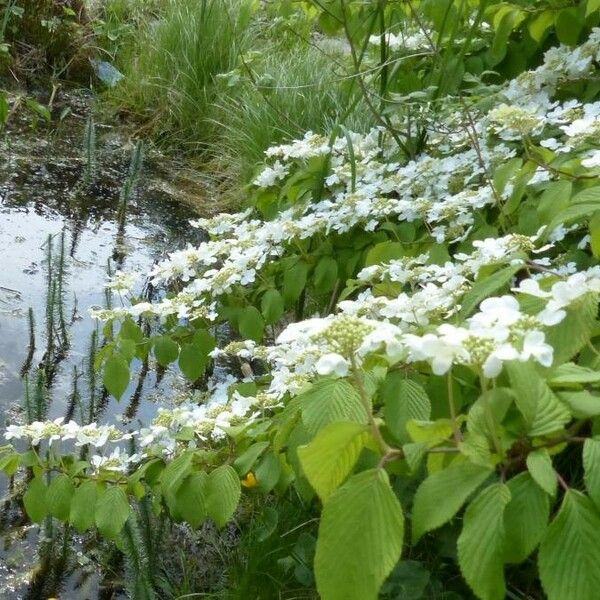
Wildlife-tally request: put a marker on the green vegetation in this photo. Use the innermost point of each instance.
(391, 356)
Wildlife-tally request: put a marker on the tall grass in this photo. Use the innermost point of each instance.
(285, 84)
(294, 90)
(171, 68)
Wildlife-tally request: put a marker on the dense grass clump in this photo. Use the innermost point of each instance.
(172, 63)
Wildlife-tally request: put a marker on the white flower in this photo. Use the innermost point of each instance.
(332, 364)
(534, 346)
(592, 161)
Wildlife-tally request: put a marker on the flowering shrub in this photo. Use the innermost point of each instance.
(426, 324)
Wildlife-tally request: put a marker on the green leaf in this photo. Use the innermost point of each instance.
(166, 350)
(192, 361)
(112, 512)
(591, 468)
(59, 494)
(583, 205)
(271, 305)
(190, 499)
(360, 538)
(294, 280)
(267, 472)
(454, 484)
(384, 252)
(487, 286)
(331, 455)
(574, 331)
(554, 200)
(245, 461)
(539, 465)
(525, 518)
(568, 26)
(330, 400)
(542, 410)
(223, 492)
(116, 375)
(251, 324)
(570, 551)
(582, 405)
(175, 472)
(82, 513)
(35, 500)
(325, 274)
(572, 373)
(404, 399)
(481, 543)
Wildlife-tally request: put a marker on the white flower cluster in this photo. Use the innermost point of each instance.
(442, 190)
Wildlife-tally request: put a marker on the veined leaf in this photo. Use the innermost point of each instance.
(82, 513)
(570, 551)
(330, 400)
(223, 490)
(486, 287)
(539, 465)
(191, 499)
(112, 512)
(404, 400)
(481, 543)
(591, 466)
(360, 538)
(574, 331)
(330, 457)
(35, 500)
(542, 410)
(454, 485)
(525, 518)
(59, 494)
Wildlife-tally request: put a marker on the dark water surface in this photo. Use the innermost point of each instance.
(41, 195)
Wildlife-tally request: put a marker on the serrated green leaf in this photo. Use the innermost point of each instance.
(330, 457)
(582, 405)
(325, 274)
(191, 499)
(245, 461)
(192, 361)
(271, 306)
(35, 500)
(481, 543)
(569, 373)
(360, 538)
(112, 512)
(591, 467)
(570, 551)
(454, 484)
(223, 492)
(166, 350)
(83, 503)
(539, 465)
(116, 375)
(542, 410)
(574, 331)
(554, 199)
(251, 324)
(330, 400)
(267, 472)
(59, 494)
(404, 399)
(525, 518)
(486, 287)
(294, 281)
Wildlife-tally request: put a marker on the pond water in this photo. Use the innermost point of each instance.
(42, 197)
